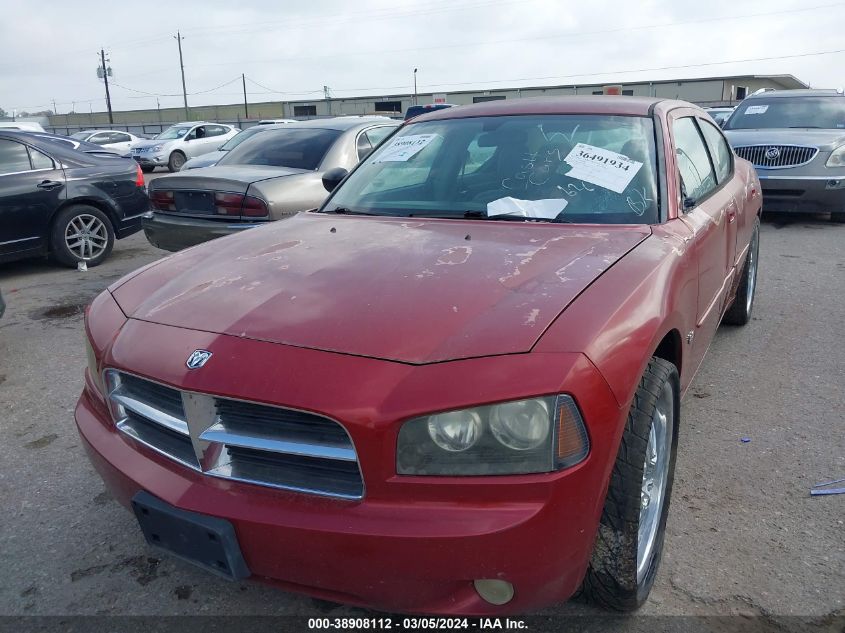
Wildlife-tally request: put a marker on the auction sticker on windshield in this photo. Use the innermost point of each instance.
(756, 109)
(601, 167)
(401, 149)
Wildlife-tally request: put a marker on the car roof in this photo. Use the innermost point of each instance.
(341, 123)
(97, 131)
(586, 104)
(47, 142)
(801, 92)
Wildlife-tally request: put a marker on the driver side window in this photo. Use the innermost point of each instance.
(694, 167)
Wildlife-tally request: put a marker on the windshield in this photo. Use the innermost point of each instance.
(80, 136)
(173, 132)
(782, 112)
(302, 148)
(567, 168)
(240, 137)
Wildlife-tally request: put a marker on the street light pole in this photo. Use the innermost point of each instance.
(246, 105)
(179, 39)
(106, 81)
(415, 85)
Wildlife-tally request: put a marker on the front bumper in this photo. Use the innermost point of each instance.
(806, 194)
(413, 544)
(151, 160)
(173, 233)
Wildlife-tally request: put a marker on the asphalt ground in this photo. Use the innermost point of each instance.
(744, 539)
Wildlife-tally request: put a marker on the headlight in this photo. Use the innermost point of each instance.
(836, 158)
(455, 431)
(535, 435)
(157, 148)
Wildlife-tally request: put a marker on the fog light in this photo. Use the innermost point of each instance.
(494, 591)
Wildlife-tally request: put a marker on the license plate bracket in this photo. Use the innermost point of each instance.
(209, 542)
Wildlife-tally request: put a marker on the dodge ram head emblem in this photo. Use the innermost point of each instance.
(198, 358)
(772, 153)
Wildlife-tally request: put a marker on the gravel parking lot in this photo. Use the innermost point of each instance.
(744, 535)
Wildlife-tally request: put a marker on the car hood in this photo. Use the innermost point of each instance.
(413, 291)
(825, 140)
(206, 160)
(234, 178)
(151, 143)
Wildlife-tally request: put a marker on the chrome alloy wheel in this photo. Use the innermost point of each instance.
(655, 478)
(752, 271)
(86, 236)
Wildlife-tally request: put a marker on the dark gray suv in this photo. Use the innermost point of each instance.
(796, 140)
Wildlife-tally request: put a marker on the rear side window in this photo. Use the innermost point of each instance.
(697, 177)
(39, 160)
(719, 150)
(378, 134)
(13, 157)
(294, 148)
(363, 145)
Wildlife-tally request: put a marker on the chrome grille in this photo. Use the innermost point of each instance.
(776, 156)
(233, 439)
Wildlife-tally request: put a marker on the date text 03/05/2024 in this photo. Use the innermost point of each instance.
(416, 623)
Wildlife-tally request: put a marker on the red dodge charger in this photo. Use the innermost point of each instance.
(455, 388)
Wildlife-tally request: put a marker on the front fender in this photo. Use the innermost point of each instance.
(621, 319)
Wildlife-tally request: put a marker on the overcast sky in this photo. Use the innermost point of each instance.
(370, 47)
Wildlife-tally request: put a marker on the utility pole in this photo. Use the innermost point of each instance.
(415, 85)
(54, 107)
(246, 106)
(179, 39)
(327, 92)
(106, 80)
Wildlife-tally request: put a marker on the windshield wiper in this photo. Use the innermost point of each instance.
(347, 211)
(481, 215)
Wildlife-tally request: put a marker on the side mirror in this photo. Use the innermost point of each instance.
(332, 178)
(689, 203)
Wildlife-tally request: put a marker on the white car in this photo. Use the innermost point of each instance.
(115, 140)
(23, 126)
(180, 142)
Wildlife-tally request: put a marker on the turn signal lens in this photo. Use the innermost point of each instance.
(228, 203)
(162, 200)
(255, 208)
(572, 441)
(238, 204)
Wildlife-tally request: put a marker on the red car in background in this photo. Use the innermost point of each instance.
(453, 389)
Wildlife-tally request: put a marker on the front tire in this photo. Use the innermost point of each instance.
(740, 311)
(81, 233)
(147, 169)
(629, 543)
(177, 159)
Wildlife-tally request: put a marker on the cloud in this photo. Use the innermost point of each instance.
(372, 46)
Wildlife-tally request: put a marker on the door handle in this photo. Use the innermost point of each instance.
(49, 184)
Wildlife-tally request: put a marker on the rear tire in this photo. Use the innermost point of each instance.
(177, 159)
(147, 169)
(81, 233)
(740, 311)
(838, 217)
(629, 542)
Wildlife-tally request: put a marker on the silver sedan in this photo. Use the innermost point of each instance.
(270, 176)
